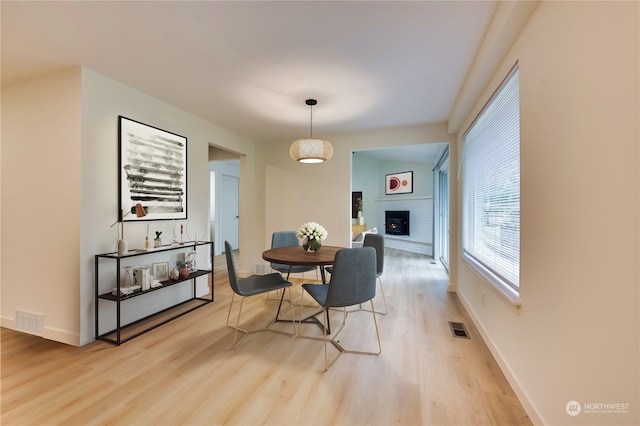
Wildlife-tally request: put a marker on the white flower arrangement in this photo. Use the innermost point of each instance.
(312, 231)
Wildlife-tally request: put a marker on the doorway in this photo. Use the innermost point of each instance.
(369, 168)
(224, 196)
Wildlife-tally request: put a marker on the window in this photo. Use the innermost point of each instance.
(491, 189)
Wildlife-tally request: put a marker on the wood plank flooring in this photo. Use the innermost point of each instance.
(186, 373)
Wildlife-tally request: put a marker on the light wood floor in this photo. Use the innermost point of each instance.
(186, 373)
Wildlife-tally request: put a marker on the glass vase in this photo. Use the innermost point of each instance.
(311, 246)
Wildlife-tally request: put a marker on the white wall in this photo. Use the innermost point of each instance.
(576, 336)
(41, 202)
(365, 178)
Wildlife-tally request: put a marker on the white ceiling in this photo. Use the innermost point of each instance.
(426, 153)
(249, 66)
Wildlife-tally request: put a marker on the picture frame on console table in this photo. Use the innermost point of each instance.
(160, 271)
(152, 171)
(398, 183)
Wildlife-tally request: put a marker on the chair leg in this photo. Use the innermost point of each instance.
(326, 318)
(235, 334)
(384, 301)
(375, 322)
(237, 328)
(233, 295)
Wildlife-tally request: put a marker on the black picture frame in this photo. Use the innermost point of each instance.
(354, 203)
(398, 183)
(152, 171)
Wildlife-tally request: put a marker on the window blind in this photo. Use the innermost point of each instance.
(491, 184)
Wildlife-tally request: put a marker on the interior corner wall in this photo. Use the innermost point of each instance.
(577, 336)
(41, 198)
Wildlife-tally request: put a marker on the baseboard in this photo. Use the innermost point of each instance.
(528, 406)
(47, 333)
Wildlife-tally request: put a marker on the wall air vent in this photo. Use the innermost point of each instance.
(29, 323)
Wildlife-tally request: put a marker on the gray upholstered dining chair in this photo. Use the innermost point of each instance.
(252, 286)
(353, 282)
(377, 242)
(288, 239)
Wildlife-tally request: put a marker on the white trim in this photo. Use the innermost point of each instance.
(47, 333)
(522, 396)
(401, 198)
(499, 287)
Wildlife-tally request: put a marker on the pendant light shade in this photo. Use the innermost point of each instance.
(311, 150)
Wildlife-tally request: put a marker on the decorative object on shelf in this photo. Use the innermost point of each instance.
(127, 276)
(157, 241)
(399, 183)
(126, 330)
(182, 269)
(126, 291)
(174, 274)
(184, 272)
(181, 234)
(174, 242)
(312, 234)
(160, 271)
(153, 169)
(123, 247)
(147, 242)
(189, 260)
(142, 277)
(195, 226)
(311, 150)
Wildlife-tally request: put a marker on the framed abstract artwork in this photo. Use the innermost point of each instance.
(152, 171)
(398, 183)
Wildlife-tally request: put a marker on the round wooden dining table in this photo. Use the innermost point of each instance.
(296, 256)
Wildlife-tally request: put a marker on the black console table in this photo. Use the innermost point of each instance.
(120, 298)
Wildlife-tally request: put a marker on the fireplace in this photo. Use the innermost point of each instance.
(396, 222)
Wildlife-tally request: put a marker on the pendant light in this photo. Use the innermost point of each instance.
(311, 150)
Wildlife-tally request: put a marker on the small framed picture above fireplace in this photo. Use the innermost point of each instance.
(399, 183)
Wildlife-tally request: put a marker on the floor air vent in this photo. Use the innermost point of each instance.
(458, 330)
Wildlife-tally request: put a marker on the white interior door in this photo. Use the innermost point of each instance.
(229, 210)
